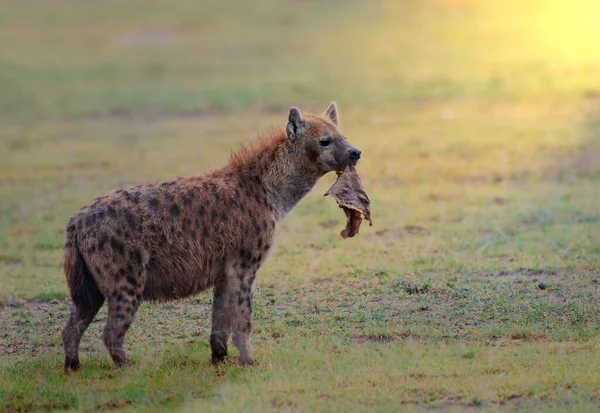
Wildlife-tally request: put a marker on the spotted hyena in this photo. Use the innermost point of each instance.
(174, 239)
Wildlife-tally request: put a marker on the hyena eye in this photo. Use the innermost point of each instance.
(325, 142)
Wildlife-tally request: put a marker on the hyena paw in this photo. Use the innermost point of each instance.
(122, 361)
(246, 361)
(71, 365)
(217, 358)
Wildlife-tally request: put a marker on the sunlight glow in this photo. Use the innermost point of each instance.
(569, 29)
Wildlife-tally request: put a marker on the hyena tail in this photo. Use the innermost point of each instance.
(87, 300)
(82, 286)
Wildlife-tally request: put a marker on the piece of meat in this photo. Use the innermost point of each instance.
(352, 198)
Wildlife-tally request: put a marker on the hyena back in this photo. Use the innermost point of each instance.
(174, 239)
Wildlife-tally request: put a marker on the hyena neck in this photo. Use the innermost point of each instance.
(283, 172)
(285, 192)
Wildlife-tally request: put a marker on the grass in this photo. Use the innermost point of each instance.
(476, 288)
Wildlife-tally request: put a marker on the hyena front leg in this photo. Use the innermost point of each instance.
(240, 308)
(221, 322)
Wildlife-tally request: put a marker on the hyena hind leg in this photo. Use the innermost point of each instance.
(79, 320)
(121, 311)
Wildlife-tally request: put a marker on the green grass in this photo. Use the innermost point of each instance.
(477, 286)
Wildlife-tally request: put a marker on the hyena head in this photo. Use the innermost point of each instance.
(318, 141)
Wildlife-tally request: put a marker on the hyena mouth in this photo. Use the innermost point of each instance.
(341, 167)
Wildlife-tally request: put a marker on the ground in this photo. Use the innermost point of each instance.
(477, 286)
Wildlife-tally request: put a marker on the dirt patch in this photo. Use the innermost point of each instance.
(402, 231)
(320, 281)
(391, 235)
(520, 274)
(28, 327)
(114, 405)
(381, 338)
(33, 328)
(10, 261)
(43, 309)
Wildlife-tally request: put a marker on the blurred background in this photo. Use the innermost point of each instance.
(479, 123)
(452, 102)
(71, 58)
(462, 109)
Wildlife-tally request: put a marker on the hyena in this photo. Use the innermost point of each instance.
(174, 239)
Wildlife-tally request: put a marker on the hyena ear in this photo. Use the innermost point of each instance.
(332, 113)
(295, 126)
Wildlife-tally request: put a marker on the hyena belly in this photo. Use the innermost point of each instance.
(182, 274)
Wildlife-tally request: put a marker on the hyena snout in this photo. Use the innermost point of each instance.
(354, 154)
(346, 155)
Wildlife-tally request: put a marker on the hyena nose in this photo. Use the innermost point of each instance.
(354, 154)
